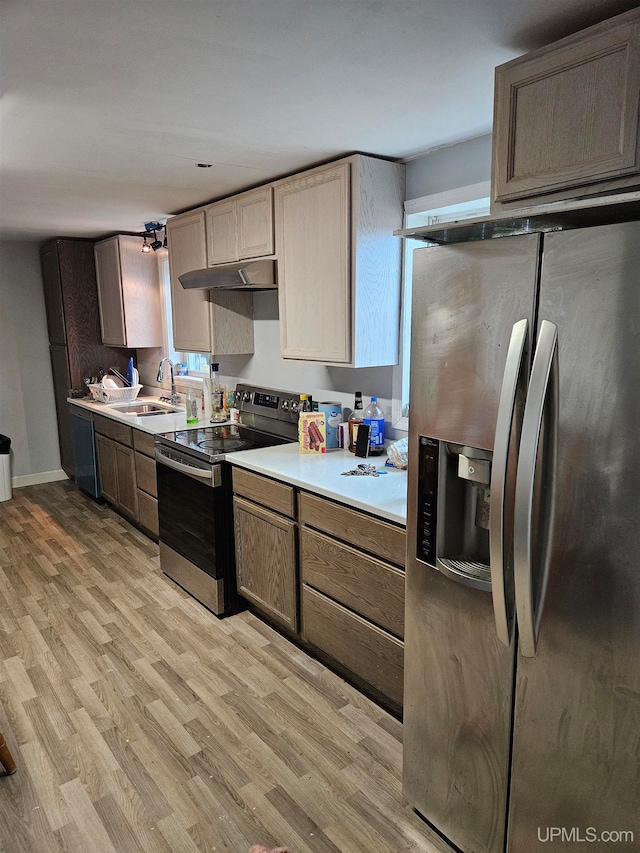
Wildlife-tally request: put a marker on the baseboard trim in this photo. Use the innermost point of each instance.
(36, 479)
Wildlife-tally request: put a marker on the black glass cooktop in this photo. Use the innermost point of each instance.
(216, 441)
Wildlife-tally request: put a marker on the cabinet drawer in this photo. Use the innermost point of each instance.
(276, 496)
(143, 442)
(371, 588)
(364, 532)
(113, 429)
(148, 512)
(146, 474)
(365, 650)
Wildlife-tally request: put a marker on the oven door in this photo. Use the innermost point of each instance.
(195, 519)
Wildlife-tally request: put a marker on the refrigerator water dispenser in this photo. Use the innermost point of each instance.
(453, 510)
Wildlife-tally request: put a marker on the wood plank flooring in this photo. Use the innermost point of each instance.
(141, 722)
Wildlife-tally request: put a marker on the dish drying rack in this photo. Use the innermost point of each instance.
(114, 395)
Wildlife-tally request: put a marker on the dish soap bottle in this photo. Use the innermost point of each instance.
(355, 418)
(374, 416)
(192, 406)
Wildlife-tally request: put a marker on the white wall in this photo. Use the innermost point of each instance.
(267, 369)
(449, 168)
(27, 408)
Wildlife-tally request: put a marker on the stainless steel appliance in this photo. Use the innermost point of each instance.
(522, 651)
(194, 492)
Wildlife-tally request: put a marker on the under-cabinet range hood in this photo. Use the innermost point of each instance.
(245, 275)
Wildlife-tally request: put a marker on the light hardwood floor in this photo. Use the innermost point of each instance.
(141, 722)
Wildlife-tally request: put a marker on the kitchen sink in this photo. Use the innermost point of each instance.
(141, 410)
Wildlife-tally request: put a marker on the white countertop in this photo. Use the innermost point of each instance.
(384, 496)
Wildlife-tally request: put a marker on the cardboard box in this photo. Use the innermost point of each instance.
(312, 432)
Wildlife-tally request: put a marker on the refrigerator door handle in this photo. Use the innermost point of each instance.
(499, 547)
(543, 394)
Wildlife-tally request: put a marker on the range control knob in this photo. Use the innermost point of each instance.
(246, 397)
(294, 405)
(285, 406)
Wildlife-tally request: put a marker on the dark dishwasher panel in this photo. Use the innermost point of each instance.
(84, 453)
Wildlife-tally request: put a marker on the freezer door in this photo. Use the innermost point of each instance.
(576, 767)
(458, 675)
(465, 301)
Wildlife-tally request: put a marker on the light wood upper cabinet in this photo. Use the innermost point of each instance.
(339, 263)
(566, 116)
(221, 323)
(187, 246)
(241, 227)
(128, 293)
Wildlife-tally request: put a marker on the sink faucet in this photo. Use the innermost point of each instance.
(174, 399)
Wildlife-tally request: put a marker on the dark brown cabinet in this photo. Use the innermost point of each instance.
(73, 323)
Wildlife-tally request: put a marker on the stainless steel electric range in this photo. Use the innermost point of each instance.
(195, 508)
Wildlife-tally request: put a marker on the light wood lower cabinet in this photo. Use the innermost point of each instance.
(266, 561)
(117, 475)
(266, 553)
(128, 471)
(372, 655)
(106, 453)
(352, 606)
(143, 443)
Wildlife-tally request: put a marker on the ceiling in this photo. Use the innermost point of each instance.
(106, 106)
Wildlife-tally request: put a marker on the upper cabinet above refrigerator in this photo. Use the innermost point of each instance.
(566, 117)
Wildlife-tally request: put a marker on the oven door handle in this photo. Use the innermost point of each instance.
(212, 474)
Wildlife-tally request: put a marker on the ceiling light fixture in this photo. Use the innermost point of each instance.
(151, 229)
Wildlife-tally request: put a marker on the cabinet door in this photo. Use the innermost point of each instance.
(190, 308)
(566, 116)
(221, 229)
(107, 254)
(266, 561)
(126, 475)
(313, 248)
(140, 294)
(53, 294)
(255, 223)
(106, 452)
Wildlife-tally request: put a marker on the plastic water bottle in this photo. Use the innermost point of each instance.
(192, 406)
(374, 416)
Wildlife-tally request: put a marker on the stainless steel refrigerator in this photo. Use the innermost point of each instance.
(522, 654)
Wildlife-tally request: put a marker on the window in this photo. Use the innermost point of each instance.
(463, 203)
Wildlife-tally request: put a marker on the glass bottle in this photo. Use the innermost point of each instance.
(218, 415)
(355, 418)
(305, 403)
(374, 416)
